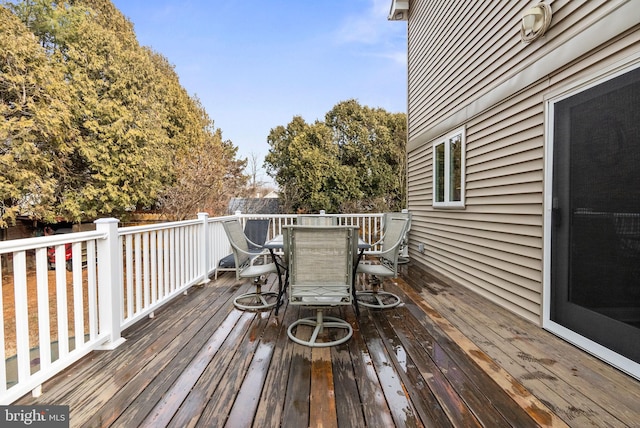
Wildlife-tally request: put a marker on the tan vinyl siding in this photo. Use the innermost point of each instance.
(450, 60)
(459, 52)
(494, 245)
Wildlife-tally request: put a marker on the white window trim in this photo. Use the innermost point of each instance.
(447, 172)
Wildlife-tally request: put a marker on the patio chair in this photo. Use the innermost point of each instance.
(257, 300)
(320, 276)
(317, 220)
(402, 256)
(256, 231)
(386, 266)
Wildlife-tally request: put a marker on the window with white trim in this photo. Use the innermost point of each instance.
(448, 170)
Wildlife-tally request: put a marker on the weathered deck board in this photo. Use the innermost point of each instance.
(349, 410)
(446, 357)
(322, 397)
(402, 409)
(175, 352)
(248, 398)
(448, 333)
(271, 405)
(374, 406)
(296, 403)
(580, 389)
(486, 399)
(415, 379)
(221, 391)
(455, 391)
(123, 373)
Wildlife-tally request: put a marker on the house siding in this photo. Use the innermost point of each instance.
(459, 51)
(495, 244)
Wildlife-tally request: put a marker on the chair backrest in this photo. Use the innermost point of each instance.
(317, 220)
(239, 244)
(256, 231)
(387, 216)
(395, 229)
(407, 215)
(320, 263)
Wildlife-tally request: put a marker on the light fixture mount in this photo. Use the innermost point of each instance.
(535, 22)
(399, 10)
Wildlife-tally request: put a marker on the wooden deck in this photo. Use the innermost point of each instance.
(446, 357)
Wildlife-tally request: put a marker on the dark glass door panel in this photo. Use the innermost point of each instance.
(596, 222)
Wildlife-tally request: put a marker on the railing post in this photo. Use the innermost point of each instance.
(205, 247)
(405, 247)
(109, 285)
(238, 214)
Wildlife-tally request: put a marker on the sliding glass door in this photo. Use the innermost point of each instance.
(595, 236)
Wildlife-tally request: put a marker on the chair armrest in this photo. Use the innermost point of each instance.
(254, 245)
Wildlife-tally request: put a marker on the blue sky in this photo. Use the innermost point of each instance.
(255, 64)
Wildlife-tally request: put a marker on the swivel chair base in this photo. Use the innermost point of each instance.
(377, 298)
(319, 323)
(256, 301)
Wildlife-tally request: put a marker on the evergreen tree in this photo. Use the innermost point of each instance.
(35, 126)
(97, 125)
(352, 162)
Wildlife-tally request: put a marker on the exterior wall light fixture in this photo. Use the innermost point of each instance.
(399, 10)
(535, 22)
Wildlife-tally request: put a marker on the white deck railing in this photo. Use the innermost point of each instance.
(52, 318)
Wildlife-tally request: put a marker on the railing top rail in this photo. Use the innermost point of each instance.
(15, 245)
(244, 215)
(225, 217)
(47, 241)
(131, 230)
(296, 215)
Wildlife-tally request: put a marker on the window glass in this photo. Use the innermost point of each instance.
(439, 172)
(455, 165)
(448, 170)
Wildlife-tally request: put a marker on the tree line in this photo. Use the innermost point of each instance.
(352, 162)
(94, 124)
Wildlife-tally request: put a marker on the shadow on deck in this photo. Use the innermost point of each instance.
(446, 357)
